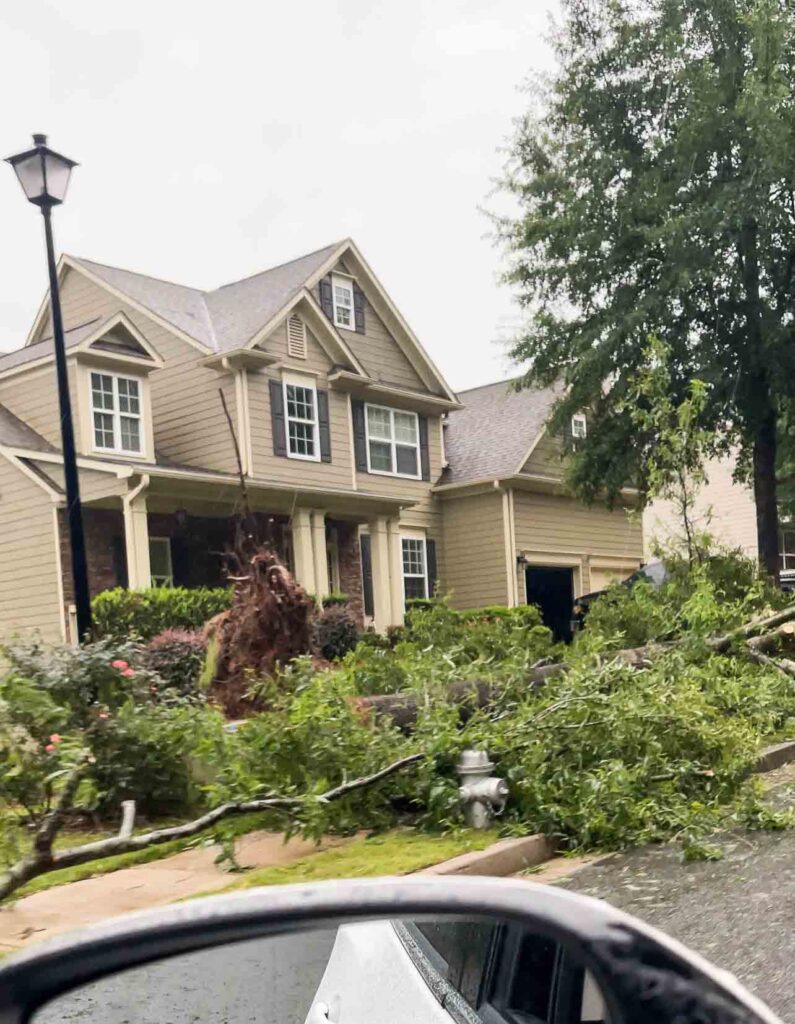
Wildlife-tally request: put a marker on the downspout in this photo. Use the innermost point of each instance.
(241, 401)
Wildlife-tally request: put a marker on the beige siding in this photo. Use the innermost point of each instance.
(29, 598)
(337, 474)
(379, 353)
(724, 509)
(33, 397)
(189, 422)
(474, 550)
(546, 458)
(557, 530)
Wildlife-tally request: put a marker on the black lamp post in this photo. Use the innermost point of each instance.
(44, 177)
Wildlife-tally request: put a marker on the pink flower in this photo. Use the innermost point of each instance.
(104, 714)
(153, 689)
(55, 738)
(119, 663)
(50, 748)
(128, 672)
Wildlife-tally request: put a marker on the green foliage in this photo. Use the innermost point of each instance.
(653, 177)
(335, 598)
(143, 614)
(334, 632)
(178, 657)
(156, 754)
(722, 591)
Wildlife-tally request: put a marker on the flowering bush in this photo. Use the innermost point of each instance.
(177, 656)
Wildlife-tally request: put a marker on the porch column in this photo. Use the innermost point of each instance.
(396, 571)
(319, 550)
(136, 537)
(303, 559)
(382, 591)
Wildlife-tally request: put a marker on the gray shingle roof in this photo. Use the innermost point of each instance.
(491, 434)
(226, 318)
(16, 434)
(43, 348)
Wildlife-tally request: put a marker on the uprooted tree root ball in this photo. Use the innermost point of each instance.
(268, 625)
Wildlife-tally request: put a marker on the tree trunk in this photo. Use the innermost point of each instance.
(765, 494)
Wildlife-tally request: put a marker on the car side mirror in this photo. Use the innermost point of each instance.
(382, 951)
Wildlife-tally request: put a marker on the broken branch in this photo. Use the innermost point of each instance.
(37, 863)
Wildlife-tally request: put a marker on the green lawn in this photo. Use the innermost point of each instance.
(393, 853)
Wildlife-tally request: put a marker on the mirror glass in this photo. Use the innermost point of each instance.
(379, 972)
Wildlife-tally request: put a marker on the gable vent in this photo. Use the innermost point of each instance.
(296, 337)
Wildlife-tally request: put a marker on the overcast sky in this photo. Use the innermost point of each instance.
(219, 138)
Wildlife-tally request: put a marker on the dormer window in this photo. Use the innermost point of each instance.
(116, 414)
(579, 426)
(342, 299)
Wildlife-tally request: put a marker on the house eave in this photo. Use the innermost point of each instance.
(368, 387)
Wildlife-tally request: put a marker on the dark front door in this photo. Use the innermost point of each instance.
(551, 589)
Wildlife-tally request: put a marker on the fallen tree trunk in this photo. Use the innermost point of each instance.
(471, 695)
(44, 859)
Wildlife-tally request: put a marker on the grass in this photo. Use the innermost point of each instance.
(231, 829)
(398, 852)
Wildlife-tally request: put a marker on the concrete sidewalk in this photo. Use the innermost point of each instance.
(66, 907)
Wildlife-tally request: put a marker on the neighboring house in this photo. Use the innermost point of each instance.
(363, 468)
(723, 508)
(336, 407)
(511, 532)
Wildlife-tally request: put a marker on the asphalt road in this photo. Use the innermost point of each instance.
(738, 912)
(267, 981)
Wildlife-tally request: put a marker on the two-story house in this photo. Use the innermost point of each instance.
(336, 409)
(366, 472)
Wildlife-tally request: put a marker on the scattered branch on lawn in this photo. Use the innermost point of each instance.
(749, 629)
(786, 667)
(40, 862)
(127, 819)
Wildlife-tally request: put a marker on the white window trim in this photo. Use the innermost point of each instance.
(298, 381)
(392, 443)
(116, 414)
(415, 535)
(343, 282)
(579, 417)
(167, 542)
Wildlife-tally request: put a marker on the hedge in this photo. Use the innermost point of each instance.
(521, 614)
(145, 613)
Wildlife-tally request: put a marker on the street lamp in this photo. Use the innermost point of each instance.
(44, 177)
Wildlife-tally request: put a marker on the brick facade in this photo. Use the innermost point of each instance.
(106, 563)
(351, 568)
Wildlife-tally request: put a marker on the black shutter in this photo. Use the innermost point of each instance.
(430, 565)
(277, 418)
(323, 426)
(425, 457)
(359, 435)
(358, 308)
(326, 299)
(367, 575)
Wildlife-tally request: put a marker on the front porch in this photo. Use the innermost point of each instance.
(161, 532)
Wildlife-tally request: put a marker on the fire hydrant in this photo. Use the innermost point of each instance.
(482, 794)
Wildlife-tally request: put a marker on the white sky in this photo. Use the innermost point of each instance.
(219, 138)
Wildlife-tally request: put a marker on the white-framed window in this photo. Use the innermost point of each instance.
(342, 300)
(393, 441)
(300, 415)
(787, 549)
(161, 569)
(415, 566)
(116, 413)
(579, 426)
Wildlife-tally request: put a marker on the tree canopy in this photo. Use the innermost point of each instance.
(655, 181)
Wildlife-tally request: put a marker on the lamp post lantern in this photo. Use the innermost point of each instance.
(44, 177)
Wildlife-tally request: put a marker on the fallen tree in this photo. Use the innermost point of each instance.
(756, 637)
(44, 858)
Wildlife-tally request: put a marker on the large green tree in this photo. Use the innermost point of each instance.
(655, 182)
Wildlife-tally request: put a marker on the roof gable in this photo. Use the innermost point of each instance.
(492, 436)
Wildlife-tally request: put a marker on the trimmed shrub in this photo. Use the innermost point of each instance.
(334, 633)
(177, 655)
(335, 599)
(143, 614)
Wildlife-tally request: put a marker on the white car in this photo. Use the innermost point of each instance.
(463, 971)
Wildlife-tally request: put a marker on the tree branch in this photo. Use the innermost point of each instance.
(37, 864)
